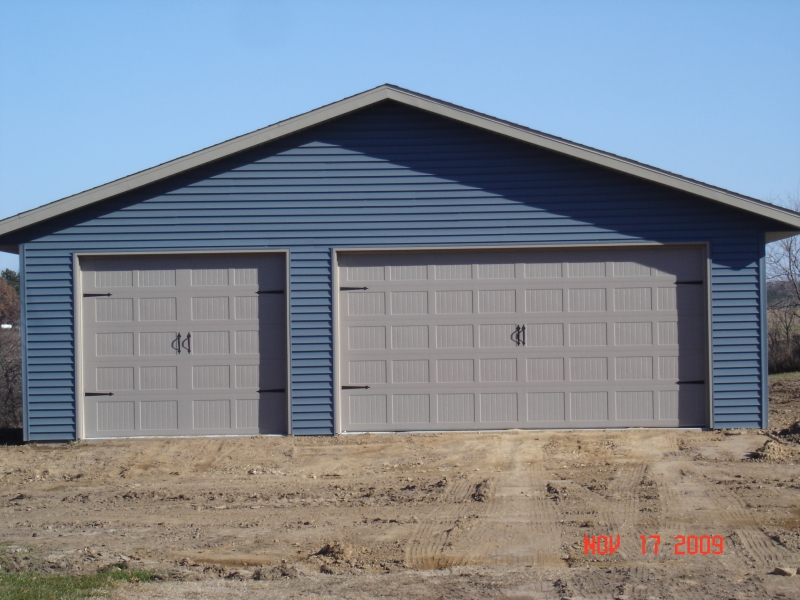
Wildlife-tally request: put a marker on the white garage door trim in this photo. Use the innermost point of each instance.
(336, 252)
(78, 319)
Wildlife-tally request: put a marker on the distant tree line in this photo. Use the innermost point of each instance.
(10, 352)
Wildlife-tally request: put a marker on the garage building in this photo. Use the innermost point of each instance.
(392, 262)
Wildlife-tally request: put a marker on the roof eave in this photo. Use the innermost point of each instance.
(389, 92)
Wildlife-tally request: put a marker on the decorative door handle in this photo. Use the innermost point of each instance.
(515, 336)
(187, 343)
(176, 344)
(523, 334)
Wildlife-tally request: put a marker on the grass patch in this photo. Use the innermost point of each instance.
(46, 586)
(794, 376)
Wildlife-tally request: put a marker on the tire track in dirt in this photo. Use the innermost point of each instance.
(519, 519)
(425, 548)
(695, 508)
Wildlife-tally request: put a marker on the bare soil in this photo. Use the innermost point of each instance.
(454, 515)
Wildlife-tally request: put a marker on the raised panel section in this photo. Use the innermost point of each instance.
(366, 303)
(211, 377)
(586, 269)
(587, 334)
(245, 276)
(456, 408)
(634, 334)
(498, 369)
(211, 414)
(210, 309)
(159, 415)
(245, 308)
(113, 310)
(201, 277)
(455, 370)
(109, 279)
(367, 371)
(410, 371)
(115, 416)
(589, 406)
(157, 278)
(158, 309)
(453, 272)
(498, 408)
(635, 406)
(633, 299)
(545, 369)
(634, 367)
(409, 303)
(114, 379)
(498, 301)
(368, 409)
(366, 273)
(158, 343)
(454, 302)
(545, 335)
(543, 270)
(158, 378)
(546, 406)
(114, 344)
(496, 271)
(541, 301)
(587, 299)
(410, 337)
(247, 377)
(367, 338)
(411, 408)
(498, 336)
(454, 336)
(211, 342)
(408, 272)
(246, 342)
(588, 369)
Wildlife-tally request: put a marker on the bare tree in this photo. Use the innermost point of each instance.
(10, 379)
(783, 297)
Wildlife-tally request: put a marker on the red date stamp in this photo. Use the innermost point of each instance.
(684, 544)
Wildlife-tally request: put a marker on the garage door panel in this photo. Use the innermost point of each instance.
(541, 338)
(181, 345)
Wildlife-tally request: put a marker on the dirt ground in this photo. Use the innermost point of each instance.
(454, 515)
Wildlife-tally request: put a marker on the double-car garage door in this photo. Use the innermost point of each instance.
(523, 339)
(184, 345)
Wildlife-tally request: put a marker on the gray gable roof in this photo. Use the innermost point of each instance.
(787, 222)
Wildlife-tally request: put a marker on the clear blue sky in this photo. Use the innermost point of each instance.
(95, 90)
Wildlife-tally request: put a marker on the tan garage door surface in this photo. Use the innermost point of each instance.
(184, 345)
(525, 339)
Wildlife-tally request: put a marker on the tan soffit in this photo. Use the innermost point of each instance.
(390, 92)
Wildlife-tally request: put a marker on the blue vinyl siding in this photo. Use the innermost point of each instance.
(388, 176)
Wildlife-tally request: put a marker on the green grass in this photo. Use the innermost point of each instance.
(45, 586)
(795, 376)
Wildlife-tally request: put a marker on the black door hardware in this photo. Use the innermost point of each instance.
(95, 295)
(277, 390)
(518, 336)
(187, 343)
(98, 394)
(689, 282)
(270, 291)
(176, 344)
(350, 289)
(697, 381)
(355, 387)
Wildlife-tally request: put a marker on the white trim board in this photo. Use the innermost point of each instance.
(320, 115)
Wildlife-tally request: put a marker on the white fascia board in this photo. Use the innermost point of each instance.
(384, 92)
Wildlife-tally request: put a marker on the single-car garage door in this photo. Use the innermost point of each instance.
(582, 337)
(184, 345)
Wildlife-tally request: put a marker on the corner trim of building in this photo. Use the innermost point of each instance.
(23, 321)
